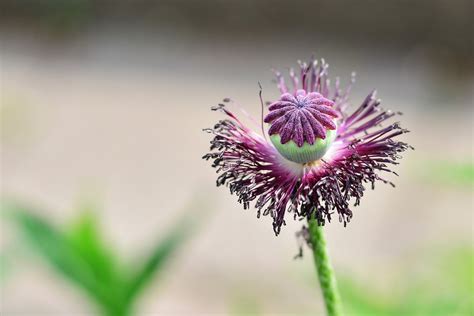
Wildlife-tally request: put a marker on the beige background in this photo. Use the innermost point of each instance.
(119, 113)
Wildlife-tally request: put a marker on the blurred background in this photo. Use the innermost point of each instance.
(103, 102)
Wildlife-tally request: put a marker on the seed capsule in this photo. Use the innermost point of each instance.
(306, 153)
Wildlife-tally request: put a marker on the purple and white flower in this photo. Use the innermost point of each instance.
(319, 157)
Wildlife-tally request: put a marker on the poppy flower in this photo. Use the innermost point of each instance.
(319, 157)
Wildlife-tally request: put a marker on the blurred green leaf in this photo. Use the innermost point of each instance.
(87, 242)
(80, 255)
(442, 285)
(56, 249)
(80, 262)
(163, 251)
(84, 236)
(360, 300)
(450, 172)
(460, 263)
(159, 256)
(445, 289)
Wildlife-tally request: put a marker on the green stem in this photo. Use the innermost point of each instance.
(327, 280)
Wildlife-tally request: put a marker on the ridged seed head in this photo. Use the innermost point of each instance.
(302, 126)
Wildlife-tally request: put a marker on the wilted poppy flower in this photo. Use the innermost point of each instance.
(319, 157)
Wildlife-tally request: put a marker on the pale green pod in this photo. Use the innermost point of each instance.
(306, 153)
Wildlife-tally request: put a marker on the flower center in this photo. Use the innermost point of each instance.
(300, 101)
(306, 153)
(302, 126)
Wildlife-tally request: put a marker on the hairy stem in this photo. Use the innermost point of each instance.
(327, 280)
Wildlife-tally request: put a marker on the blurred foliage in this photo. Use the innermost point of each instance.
(440, 283)
(245, 305)
(81, 255)
(449, 172)
(58, 16)
(445, 289)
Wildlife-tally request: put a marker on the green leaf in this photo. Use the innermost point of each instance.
(159, 256)
(165, 248)
(81, 255)
(85, 238)
(61, 253)
(55, 248)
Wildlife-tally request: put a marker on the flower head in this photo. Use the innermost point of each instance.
(320, 155)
